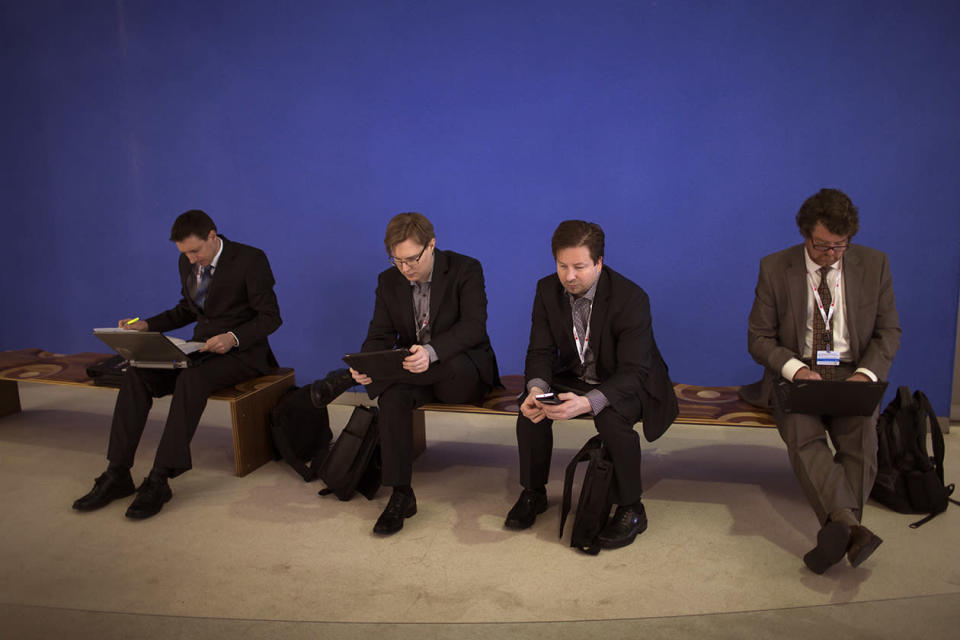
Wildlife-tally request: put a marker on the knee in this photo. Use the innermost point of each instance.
(396, 397)
(192, 381)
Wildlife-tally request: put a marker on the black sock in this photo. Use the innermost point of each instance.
(118, 470)
(405, 489)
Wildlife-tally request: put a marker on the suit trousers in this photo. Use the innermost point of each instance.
(455, 381)
(838, 478)
(535, 445)
(190, 388)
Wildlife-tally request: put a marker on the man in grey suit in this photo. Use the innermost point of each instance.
(818, 303)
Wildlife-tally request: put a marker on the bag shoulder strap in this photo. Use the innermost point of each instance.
(588, 449)
(936, 435)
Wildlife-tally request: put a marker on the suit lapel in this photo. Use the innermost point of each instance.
(852, 284)
(598, 313)
(796, 286)
(565, 339)
(438, 285)
(223, 265)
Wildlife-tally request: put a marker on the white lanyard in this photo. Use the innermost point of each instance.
(582, 348)
(827, 316)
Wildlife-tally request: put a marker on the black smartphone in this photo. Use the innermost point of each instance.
(548, 398)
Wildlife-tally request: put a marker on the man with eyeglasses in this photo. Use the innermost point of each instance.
(825, 310)
(434, 303)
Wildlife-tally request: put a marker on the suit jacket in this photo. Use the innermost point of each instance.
(778, 319)
(240, 299)
(458, 315)
(633, 375)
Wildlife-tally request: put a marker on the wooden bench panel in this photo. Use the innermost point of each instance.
(250, 401)
(698, 405)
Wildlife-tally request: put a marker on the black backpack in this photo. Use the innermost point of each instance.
(301, 431)
(593, 507)
(909, 480)
(353, 463)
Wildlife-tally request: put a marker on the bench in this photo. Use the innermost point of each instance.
(698, 405)
(250, 401)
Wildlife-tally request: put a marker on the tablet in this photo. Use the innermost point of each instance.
(829, 397)
(378, 364)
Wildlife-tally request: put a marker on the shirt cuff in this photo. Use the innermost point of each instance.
(432, 352)
(868, 373)
(598, 401)
(791, 367)
(540, 383)
(235, 338)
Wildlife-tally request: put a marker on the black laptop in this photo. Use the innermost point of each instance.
(829, 397)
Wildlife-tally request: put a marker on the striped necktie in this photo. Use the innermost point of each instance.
(822, 334)
(204, 275)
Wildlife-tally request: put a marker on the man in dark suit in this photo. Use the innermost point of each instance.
(825, 310)
(434, 303)
(591, 339)
(227, 289)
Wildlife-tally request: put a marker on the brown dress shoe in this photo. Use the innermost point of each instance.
(863, 542)
(833, 539)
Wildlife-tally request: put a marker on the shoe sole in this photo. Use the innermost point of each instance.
(616, 544)
(519, 526)
(143, 515)
(385, 531)
(78, 507)
(832, 542)
(865, 551)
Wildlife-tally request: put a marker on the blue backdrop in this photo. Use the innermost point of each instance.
(691, 131)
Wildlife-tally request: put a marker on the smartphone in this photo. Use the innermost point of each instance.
(548, 398)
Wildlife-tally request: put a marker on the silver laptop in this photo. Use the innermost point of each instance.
(151, 349)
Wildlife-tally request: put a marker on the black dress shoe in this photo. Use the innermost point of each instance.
(524, 512)
(326, 390)
(626, 524)
(400, 506)
(151, 496)
(109, 486)
(863, 542)
(832, 542)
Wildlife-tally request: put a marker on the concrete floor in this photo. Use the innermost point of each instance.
(264, 556)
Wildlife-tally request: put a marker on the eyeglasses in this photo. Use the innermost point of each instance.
(837, 248)
(399, 263)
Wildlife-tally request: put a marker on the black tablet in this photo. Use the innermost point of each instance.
(378, 364)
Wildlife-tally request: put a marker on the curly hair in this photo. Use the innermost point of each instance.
(833, 208)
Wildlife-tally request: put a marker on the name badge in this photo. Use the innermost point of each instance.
(828, 358)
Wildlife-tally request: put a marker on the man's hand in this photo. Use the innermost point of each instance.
(220, 343)
(418, 361)
(139, 325)
(806, 374)
(530, 408)
(859, 377)
(571, 407)
(360, 378)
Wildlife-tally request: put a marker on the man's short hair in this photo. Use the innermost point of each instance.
(405, 226)
(834, 209)
(192, 223)
(578, 233)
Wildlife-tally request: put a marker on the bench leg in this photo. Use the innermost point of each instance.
(9, 398)
(419, 432)
(251, 432)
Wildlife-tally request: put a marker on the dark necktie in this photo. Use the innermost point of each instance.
(581, 318)
(822, 334)
(200, 295)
